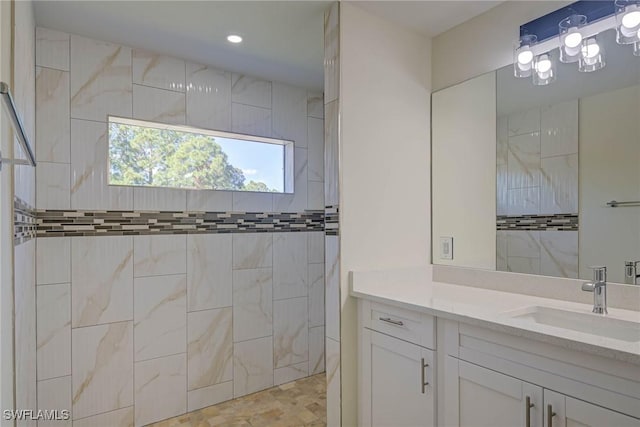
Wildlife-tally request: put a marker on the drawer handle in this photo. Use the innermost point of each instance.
(393, 322)
(527, 408)
(423, 381)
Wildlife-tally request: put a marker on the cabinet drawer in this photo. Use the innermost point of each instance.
(407, 325)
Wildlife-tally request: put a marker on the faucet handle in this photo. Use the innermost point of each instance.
(599, 273)
(631, 271)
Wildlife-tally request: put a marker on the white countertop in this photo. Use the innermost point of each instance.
(414, 290)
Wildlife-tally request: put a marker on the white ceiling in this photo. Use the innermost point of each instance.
(283, 40)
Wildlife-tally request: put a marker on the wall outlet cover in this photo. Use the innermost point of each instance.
(446, 247)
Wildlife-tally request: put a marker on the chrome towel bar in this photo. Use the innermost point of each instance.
(614, 204)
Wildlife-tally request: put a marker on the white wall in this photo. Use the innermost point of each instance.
(464, 178)
(609, 170)
(384, 192)
(483, 43)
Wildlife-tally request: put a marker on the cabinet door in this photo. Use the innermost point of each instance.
(399, 388)
(486, 398)
(565, 411)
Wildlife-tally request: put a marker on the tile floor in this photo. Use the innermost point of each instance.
(295, 404)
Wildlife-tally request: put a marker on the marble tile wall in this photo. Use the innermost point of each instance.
(138, 328)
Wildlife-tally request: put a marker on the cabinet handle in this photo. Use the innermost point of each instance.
(527, 409)
(393, 322)
(550, 415)
(423, 381)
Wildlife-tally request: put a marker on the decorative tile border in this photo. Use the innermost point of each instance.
(117, 223)
(24, 222)
(556, 222)
(331, 220)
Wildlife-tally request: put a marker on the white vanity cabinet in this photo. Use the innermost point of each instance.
(565, 411)
(397, 367)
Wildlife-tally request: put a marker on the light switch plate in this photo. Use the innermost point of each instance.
(446, 247)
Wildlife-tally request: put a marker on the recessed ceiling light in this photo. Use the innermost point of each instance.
(234, 38)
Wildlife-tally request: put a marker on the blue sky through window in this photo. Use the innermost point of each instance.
(256, 159)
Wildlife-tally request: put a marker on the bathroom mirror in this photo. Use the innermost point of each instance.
(524, 175)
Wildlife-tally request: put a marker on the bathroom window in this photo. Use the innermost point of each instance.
(152, 154)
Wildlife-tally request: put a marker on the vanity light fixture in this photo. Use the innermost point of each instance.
(234, 38)
(544, 70)
(523, 56)
(571, 37)
(628, 21)
(591, 56)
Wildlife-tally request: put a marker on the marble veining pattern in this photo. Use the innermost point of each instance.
(290, 332)
(252, 304)
(52, 115)
(209, 266)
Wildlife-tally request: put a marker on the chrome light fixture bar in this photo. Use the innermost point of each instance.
(10, 106)
(576, 38)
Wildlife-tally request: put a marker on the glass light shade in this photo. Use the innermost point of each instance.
(523, 56)
(571, 37)
(627, 21)
(544, 70)
(591, 56)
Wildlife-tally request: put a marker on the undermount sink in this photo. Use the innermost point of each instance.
(587, 323)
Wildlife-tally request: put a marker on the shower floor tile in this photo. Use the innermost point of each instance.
(299, 403)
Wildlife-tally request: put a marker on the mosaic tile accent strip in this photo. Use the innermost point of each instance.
(118, 223)
(24, 222)
(556, 222)
(331, 220)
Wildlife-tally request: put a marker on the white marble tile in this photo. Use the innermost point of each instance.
(52, 49)
(524, 122)
(315, 105)
(252, 366)
(524, 161)
(159, 255)
(251, 120)
(252, 250)
(52, 115)
(53, 330)
(159, 199)
(160, 71)
(53, 260)
(332, 284)
(331, 155)
(251, 91)
(245, 201)
(333, 382)
(559, 129)
(501, 250)
(210, 348)
(208, 97)
(209, 265)
(523, 201)
(158, 105)
(55, 394)
(207, 396)
(331, 53)
(90, 187)
(209, 200)
(102, 370)
(316, 295)
(316, 350)
(290, 373)
(290, 265)
(523, 265)
(101, 79)
(119, 418)
(101, 280)
(252, 304)
(316, 247)
(297, 201)
(289, 110)
(523, 243)
(502, 190)
(52, 186)
(160, 389)
(559, 253)
(290, 332)
(559, 187)
(159, 320)
(315, 195)
(315, 138)
(502, 140)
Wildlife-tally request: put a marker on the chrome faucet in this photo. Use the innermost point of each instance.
(632, 272)
(599, 289)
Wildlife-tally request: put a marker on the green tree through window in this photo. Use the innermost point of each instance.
(146, 156)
